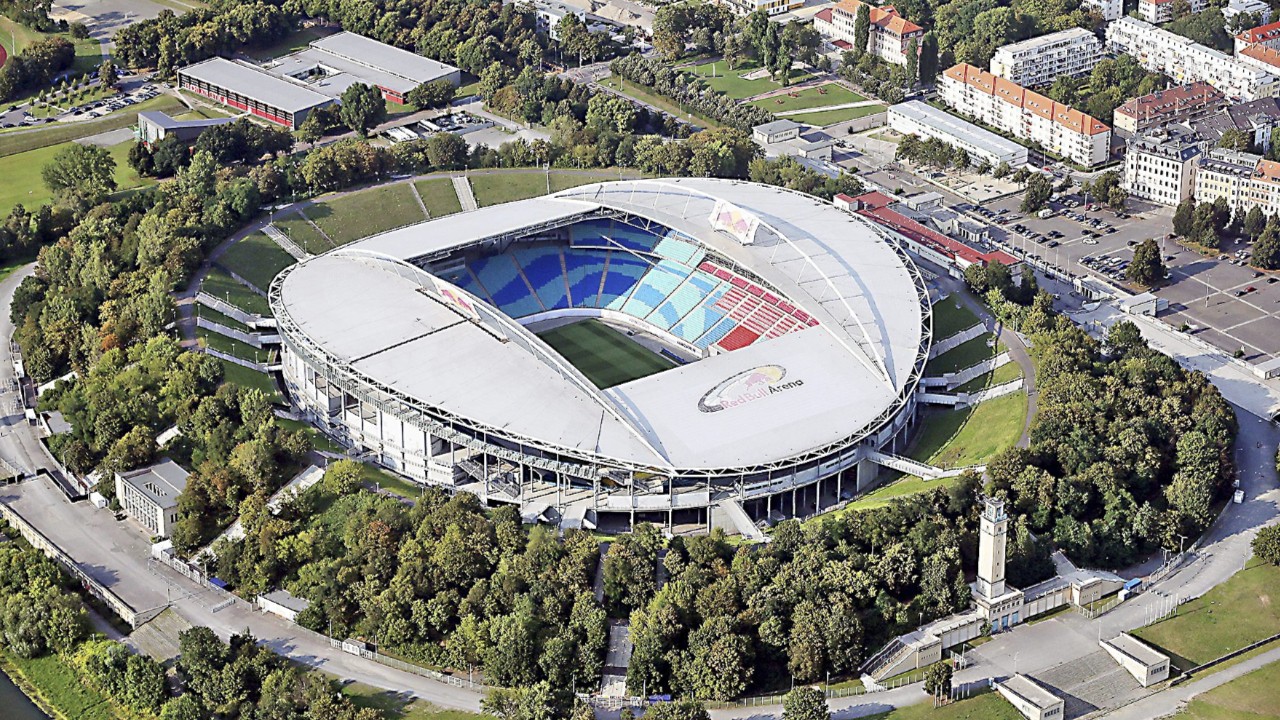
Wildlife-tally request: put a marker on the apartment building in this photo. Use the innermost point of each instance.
(150, 495)
(1162, 167)
(924, 120)
(1185, 61)
(1161, 11)
(1265, 35)
(1040, 60)
(1109, 9)
(771, 7)
(1229, 175)
(1257, 119)
(1162, 108)
(1027, 115)
(889, 37)
(1256, 8)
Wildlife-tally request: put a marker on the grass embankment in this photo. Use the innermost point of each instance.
(23, 183)
(966, 354)
(55, 686)
(1249, 697)
(1228, 617)
(950, 317)
(1004, 374)
(730, 82)
(397, 706)
(366, 212)
(256, 258)
(244, 377)
(498, 188)
(989, 705)
(823, 118)
(318, 439)
(303, 233)
(439, 196)
(233, 347)
(645, 95)
(226, 288)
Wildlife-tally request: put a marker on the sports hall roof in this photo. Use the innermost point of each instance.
(797, 393)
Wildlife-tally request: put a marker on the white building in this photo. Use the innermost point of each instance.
(282, 603)
(776, 131)
(1032, 700)
(1161, 11)
(1185, 61)
(1040, 60)
(926, 121)
(1257, 8)
(1109, 9)
(1161, 168)
(1059, 129)
(889, 37)
(1143, 662)
(150, 495)
(1266, 35)
(771, 7)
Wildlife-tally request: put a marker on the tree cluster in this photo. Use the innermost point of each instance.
(1205, 223)
(882, 79)
(38, 615)
(1206, 27)
(932, 152)
(36, 66)
(1110, 84)
(1106, 189)
(1147, 267)
(689, 91)
(241, 141)
(170, 41)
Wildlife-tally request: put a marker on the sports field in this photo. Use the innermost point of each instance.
(604, 355)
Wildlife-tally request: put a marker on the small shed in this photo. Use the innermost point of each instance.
(282, 603)
(776, 131)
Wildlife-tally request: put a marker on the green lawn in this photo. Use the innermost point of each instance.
(390, 482)
(1228, 617)
(396, 706)
(244, 377)
(956, 438)
(23, 183)
(644, 94)
(1004, 374)
(318, 439)
(1249, 697)
(439, 196)
(58, 685)
(498, 188)
(366, 212)
(966, 354)
(731, 83)
(815, 97)
(950, 317)
(987, 706)
(21, 140)
(202, 113)
(211, 314)
(604, 355)
(303, 233)
(823, 118)
(564, 180)
(224, 287)
(231, 346)
(257, 259)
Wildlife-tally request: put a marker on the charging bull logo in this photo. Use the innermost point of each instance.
(746, 386)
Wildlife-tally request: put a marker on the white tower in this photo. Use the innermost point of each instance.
(991, 542)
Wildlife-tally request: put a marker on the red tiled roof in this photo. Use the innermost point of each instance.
(1262, 33)
(1263, 54)
(1031, 101)
(875, 207)
(886, 17)
(824, 15)
(1171, 100)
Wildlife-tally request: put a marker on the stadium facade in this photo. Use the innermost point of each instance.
(796, 332)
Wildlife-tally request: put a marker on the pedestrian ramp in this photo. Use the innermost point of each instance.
(462, 186)
(1090, 683)
(729, 512)
(906, 465)
(285, 242)
(157, 638)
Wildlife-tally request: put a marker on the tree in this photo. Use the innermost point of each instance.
(805, 703)
(1039, 189)
(1266, 250)
(678, 710)
(81, 174)
(1147, 267)
(362, 108)
(937, 679)
(928, 59)
(862, 29)
(1266, 544)
(1254, 223)
(1234, 139)
(434, 94)
(1183, 218)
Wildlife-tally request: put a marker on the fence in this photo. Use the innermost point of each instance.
(830, 693)
(260, 367)
(1233, 654)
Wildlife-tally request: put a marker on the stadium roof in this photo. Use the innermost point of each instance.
(256, 84)
(371, 311)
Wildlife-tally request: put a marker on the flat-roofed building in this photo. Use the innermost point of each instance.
(1109, 9)
(1027, 115)
(1162, 108)
(743, 8)
(251, 89)
(1040, 60)
(1161, 167)
(1161, 11)
(924, 120)
(1144, 662)
(776, 131)
(334, 63)
(889, 37)
(283, 603)
(154, 126)
(1255, 8)
(150, 495)
(1032, 700)
(1186, 61)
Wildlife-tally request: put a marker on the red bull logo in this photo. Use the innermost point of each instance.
(747, 386)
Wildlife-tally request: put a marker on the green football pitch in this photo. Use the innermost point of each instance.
(604, 355)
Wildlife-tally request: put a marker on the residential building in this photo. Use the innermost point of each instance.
(1186, 61)
(1161, 168)
(154, 126)
(1109, 9)
(1228, 175)
(926, 121)
(1027, 115)
(150, 495)
(889, 37)
(1040, 60)
(1257, 119)
(772, 7)
(1261, 57)
(1161, 11)
(1162, 108)
(1266, 35)
(1256, 8)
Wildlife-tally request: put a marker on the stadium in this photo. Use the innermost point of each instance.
(683, 351)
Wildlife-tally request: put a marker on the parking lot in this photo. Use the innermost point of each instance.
(1221, 299)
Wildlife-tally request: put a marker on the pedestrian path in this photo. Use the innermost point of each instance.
(824, 108)
(462, 186)
(413, 187)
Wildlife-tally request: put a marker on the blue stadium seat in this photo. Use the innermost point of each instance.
(673, 248)
(655, 287)
(590, 233)
(501, 279)
(623, 276)
(716, 333)
(544, 272)
(631, 238)
(691, 293)
(584, 269)
(468, 282)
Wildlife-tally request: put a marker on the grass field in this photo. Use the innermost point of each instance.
(395, 706)
(303, 233)
(439, 196)
(604, 355)
(499, 188)
(644, 94)
(1228, 617)
(950, 317)
(731, 83)
(231, 346)
(815, 97)
(366, 212)
(244, 377)
(16, 141)
(1248, 697)
(211, 314)
(257, 259)
(24, 184)
(966, 354)
(987, 706)
(224, 287)
(318, 439)
(57, 684)
(823, 118)
(1004, 374)
(202, 113)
